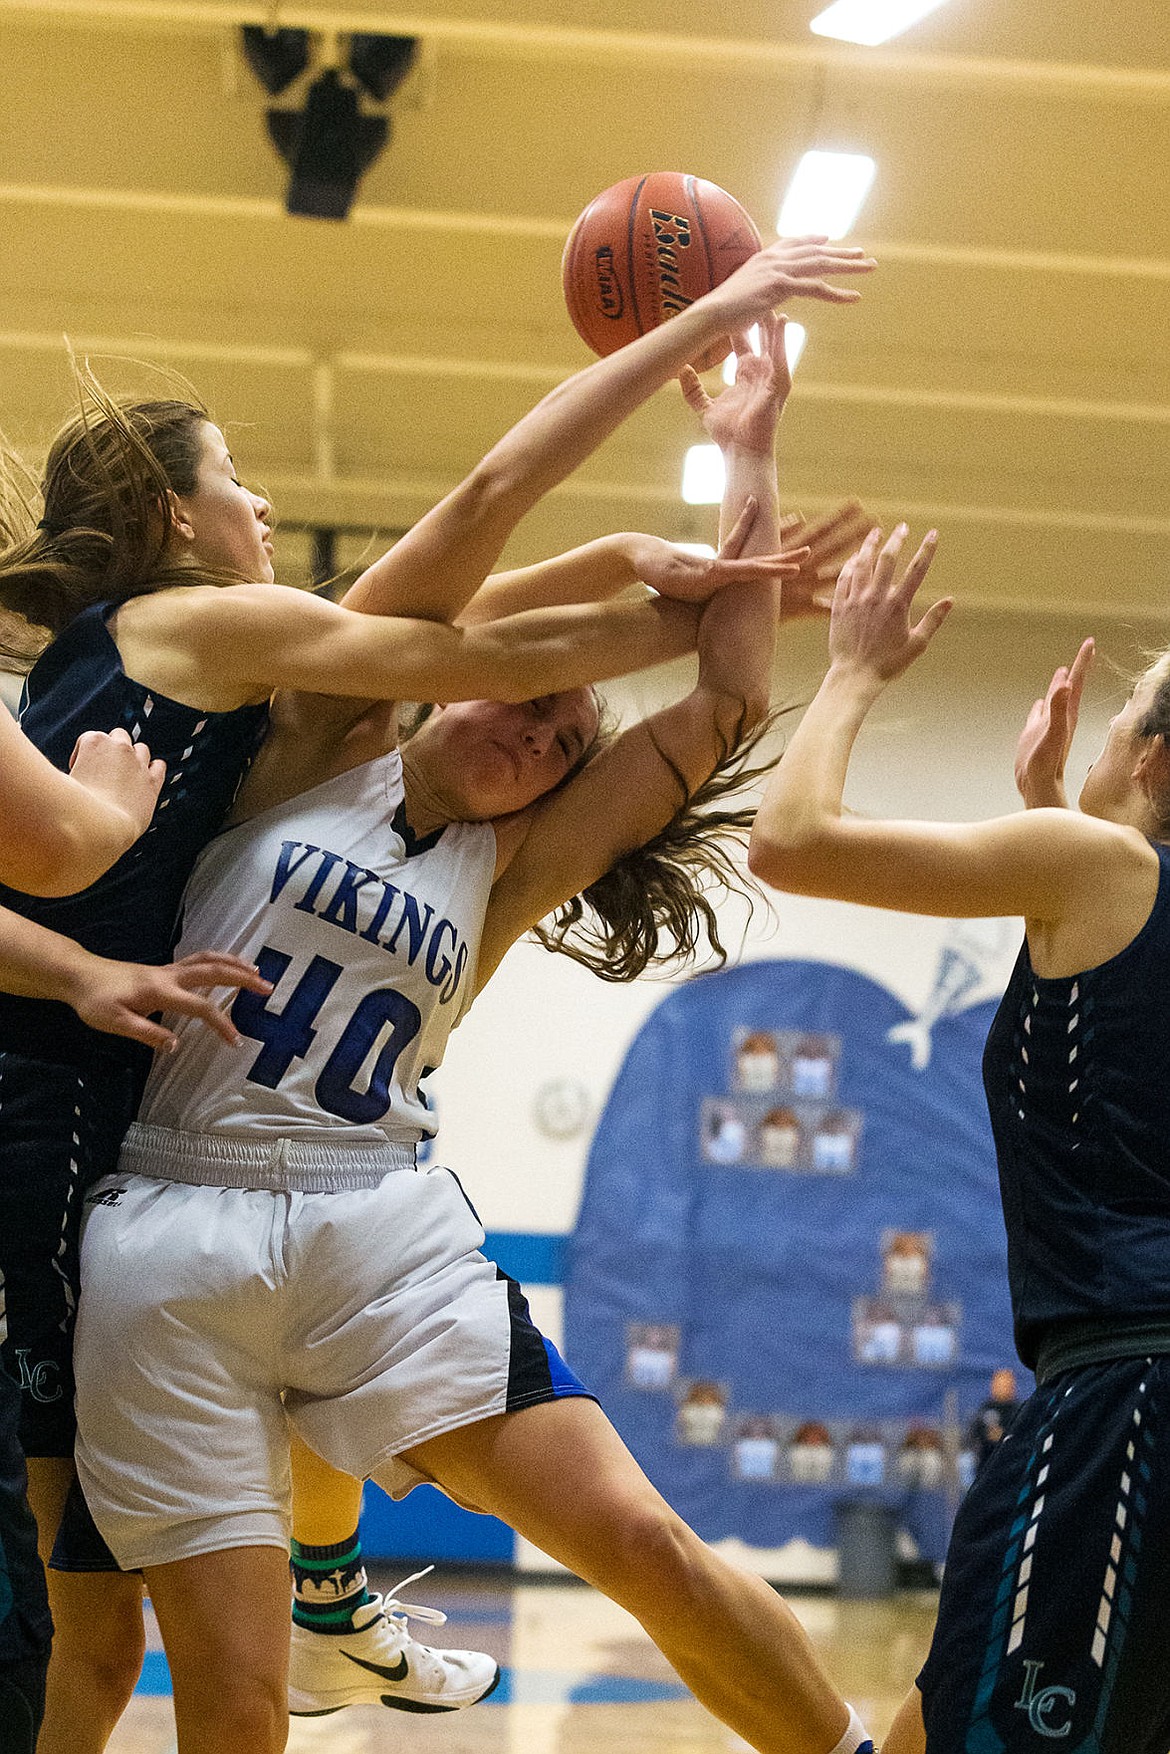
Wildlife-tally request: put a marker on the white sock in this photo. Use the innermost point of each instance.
(856, 1737)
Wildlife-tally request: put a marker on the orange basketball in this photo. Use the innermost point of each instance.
(647, 248)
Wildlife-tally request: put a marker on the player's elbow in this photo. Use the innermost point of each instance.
(490, 492)
(787, 855)
(60, 859)
(736, 716)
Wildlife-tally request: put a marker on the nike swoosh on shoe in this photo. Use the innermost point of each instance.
(399, 1672)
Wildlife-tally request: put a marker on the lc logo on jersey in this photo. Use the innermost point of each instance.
(39, 1380)
(1046, 1706)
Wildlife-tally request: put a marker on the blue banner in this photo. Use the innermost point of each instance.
(790, 1249)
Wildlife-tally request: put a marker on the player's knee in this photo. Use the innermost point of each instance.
(249, 1712)
(103, 1648)
(658, 1551)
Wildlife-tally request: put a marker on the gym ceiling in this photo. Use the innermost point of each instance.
(1006, 377)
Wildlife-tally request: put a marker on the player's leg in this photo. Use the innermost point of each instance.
(177, 1485)
(907, 1733)
(328, 1570)
(561, 1476)
(99, 1637)
(99, 1644)
(428, 1337)
(1052, 1614)
(58, 1131)
(25, 1628)
(336, 1619)
(224, 1622)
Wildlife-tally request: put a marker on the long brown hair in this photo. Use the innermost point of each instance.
(656, 906)
(107, 521)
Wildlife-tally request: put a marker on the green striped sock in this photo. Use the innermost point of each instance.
(329, 1584)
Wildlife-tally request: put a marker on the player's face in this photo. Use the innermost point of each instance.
(225, 525)
(499, 757)
(1109, 783)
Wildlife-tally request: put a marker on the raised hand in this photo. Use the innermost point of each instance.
(828, 543)
(120, 997)
(120, 773)
(746, 412)
(1042, 750)
(870, 629)
(789, 268)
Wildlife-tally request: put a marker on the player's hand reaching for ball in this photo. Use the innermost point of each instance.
(789, 268)
(871, 632)
(121, 997)
(746, 413)
(120, 774)
(1047, 736)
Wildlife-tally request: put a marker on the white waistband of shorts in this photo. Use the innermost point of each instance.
(221, 1160)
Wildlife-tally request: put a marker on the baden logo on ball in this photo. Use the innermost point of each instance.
(647, 248)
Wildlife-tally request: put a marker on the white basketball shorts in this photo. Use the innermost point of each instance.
(211, 1315)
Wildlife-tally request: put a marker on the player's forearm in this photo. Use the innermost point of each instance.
(795, 831)
(71, 836)
(591, 573)
(435, 569)
(36, 963)
(517, 658)
(547, 650)
(572, 420)
(748, 474)
(737, 634)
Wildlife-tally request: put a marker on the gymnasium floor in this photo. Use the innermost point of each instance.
(580, 1677)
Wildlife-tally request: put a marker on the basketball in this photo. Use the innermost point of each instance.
(647, 248)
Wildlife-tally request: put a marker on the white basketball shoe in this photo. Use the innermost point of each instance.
(380, 1663)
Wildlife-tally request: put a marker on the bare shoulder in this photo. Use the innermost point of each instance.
(174, 641)
(1091, 838)
(206, 645)
(1119, 871)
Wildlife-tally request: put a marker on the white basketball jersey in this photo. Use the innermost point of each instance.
(370, 937)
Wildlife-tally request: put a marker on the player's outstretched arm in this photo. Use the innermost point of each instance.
(599, 570)
(1044, 865)
(633, 788)
(252, 639)
(119, 997)
(62, 831)
(434, 569)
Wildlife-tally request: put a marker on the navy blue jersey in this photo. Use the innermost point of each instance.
(79, 685)
(1077, 1074)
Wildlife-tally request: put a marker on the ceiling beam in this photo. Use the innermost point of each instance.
(513, 40)
(321, 369)
(465, 224)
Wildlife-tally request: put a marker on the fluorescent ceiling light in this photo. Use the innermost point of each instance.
(703, 475)
(826, 193)
(795, 336)
(870, 21)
